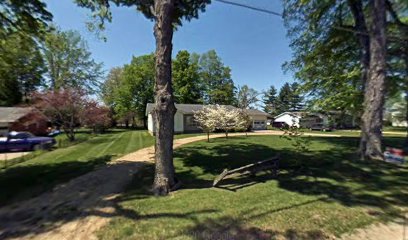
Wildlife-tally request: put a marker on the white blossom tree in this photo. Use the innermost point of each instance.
(207, 119)
(244, 122)
(220, 117)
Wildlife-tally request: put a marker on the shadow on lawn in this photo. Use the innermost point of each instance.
(329, 173)
(25, 181)
(333, 172)
(226, 228)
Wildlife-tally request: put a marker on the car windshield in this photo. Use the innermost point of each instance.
(21, 135)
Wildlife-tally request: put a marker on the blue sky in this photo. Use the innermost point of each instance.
(253, 44)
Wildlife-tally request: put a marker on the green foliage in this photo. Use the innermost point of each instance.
(21, 68)
(28, 17)
(216, 78)
(296, 137)
(184, 9)
(246, 97)
(270, 101)
(70, 63)
(136, 88)
(327, 52)
(186, 79)
(111, 85)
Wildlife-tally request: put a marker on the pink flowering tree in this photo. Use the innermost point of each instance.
(96, 117)
(64, 107)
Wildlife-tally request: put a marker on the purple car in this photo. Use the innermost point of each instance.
(25, 141)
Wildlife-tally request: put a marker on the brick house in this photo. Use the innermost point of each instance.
(23, 119)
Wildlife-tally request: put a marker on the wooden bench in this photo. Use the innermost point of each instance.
(270, 164)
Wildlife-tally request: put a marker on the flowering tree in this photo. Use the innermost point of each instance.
(207, 119)
(228, 119)
(96, 117)
(220, 117)
(63, 107)
(244, 122)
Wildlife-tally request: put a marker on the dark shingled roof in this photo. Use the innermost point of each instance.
(12, 114)
(191, 108)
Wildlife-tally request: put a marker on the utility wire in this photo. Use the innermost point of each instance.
(250, 7)
(281, 15)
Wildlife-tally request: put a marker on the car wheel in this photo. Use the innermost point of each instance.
(36, 147)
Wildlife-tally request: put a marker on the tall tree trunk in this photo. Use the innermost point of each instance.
(356, 7)
(372, 119)
(164, 110)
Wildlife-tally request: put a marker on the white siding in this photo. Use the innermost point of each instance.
(150, 125)
(288, 119)
(178, 123)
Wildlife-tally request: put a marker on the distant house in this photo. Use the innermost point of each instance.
(23, 119)
(288, 119)
(184, 118)
(310, 119)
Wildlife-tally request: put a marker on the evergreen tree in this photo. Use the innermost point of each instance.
(296, 100)
(284, 99)
(270, 101)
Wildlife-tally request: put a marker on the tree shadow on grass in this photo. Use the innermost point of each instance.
(228, 228)
(332, 171)
(22, 182)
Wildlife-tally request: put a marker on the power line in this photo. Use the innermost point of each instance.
(281, 15)
(250, 7)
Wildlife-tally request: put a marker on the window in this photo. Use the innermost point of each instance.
(190, 122)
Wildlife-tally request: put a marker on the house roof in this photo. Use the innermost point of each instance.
(191, 108)
(12, 114)
(293, 114)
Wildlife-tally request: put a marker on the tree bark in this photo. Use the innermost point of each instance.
(164, 110)
(372, 119)
(356, 7)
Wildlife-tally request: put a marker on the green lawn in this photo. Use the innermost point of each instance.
(43, 172)
(320, 193)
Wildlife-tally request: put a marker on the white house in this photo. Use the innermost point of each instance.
(300, 119)
(288, 118)
(184, 118)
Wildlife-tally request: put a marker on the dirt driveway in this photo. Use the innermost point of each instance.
(11, 155)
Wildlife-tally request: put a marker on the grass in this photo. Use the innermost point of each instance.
(327, 194)
(40, 171)
(46, 169)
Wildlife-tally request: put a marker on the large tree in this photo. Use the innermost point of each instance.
(29, 17)
(296, 99)
(216, 78)
(137, 87)
(166, 14)
(284, 98)
(270, 101)
(186, 79)
(342, 43)
(21, 68)
(247, 97)
(70, 63)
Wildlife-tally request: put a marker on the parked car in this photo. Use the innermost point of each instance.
(25, 141)
(321, 127)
